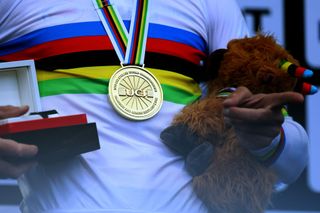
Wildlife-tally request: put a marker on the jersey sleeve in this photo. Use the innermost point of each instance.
(225, 22)
(294, 156)
(288, 152)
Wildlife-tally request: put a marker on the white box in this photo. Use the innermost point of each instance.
(18, 84)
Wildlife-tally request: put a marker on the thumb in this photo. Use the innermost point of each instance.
(12, 111)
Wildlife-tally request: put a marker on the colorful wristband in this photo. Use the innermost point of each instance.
(269, 154)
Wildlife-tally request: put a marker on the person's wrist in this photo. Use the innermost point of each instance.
(269, 154)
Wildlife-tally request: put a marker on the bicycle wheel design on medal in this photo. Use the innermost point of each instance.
(135, 93)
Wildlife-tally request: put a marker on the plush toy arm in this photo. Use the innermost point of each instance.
(199, 159)
(198, 154)
(191, 131)
(179, 138)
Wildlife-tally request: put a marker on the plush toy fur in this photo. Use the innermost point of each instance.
(226, 177)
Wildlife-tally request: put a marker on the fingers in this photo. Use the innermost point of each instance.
(242, 116)
(15, 158)
(274, 100)
(258, 128)
(257, 119)
(237, 97)
(256, 140)
(255, 132)
(12, 170)
(280, 99)
(242, 97)
(12, 111)
(12, 149)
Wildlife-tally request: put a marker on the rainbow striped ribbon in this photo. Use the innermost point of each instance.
(130, 47)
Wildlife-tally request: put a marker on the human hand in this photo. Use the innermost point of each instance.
(15, 158)
(257, 119)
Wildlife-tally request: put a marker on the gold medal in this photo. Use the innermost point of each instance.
(135, 93)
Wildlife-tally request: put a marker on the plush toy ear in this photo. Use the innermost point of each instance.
(213, 63)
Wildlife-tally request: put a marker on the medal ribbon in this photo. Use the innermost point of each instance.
(130, 47)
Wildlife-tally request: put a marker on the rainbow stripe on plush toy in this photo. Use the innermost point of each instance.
(300, 73)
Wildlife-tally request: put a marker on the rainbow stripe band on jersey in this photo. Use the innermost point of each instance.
(177, 88)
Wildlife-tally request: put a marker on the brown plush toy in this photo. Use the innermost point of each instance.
(226, 176)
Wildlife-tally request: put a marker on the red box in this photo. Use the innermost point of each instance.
(57, 138)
